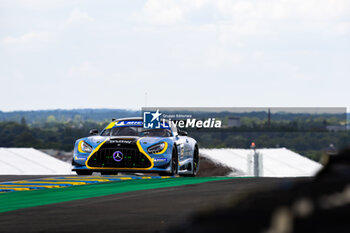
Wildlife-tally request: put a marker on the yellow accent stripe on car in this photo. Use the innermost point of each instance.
(114, 168)
(143, 152)
(164, 149)
(93, 152)
(112, 124)
(79, 147)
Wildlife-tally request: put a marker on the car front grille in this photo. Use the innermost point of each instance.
(132, 158)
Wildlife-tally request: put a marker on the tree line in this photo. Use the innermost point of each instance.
(62, 135)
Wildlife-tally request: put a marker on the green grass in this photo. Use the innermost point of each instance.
(24, 199)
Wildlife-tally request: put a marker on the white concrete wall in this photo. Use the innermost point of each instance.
(279, 162)
(28, 161)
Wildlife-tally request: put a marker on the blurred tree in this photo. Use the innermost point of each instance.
(51, 119)
(23, 121)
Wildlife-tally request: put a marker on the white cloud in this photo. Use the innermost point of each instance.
(250, 17)
(217, 57)
(341, 28)
(26, 38)
(161, 12)
(39, 4)
(168, 12)
(78, 17)
(242, 44)
(84, 72)
(31, 41)
(36, 40)
(284, 9)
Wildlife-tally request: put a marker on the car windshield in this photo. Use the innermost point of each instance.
(136, 131)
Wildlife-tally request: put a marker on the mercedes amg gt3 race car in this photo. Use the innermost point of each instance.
(126, 146)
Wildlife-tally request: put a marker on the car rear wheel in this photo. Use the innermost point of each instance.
(195, 164)
(84, 173)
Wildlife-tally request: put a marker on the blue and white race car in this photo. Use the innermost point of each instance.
(126, 146)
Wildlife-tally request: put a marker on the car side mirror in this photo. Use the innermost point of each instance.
(93, 132)
(182, 133)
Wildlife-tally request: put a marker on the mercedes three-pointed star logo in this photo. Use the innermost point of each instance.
(118, 156)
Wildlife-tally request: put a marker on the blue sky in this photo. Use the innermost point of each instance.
(220, 53)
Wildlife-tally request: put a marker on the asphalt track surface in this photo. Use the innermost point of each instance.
(153, 210)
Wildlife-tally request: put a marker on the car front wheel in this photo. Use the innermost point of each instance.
(174, 164)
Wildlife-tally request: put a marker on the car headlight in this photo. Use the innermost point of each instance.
(156, 148)
(84, 147)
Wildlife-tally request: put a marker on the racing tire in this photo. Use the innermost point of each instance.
(174, 164)
(84, 173)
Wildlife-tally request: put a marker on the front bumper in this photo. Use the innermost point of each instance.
(154, 169)
(134, 157)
